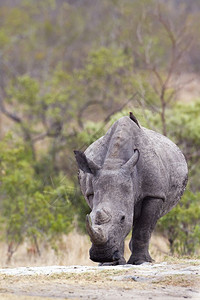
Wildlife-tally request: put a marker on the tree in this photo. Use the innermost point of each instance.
(161, 55)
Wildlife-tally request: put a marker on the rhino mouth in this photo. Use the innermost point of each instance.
(105, 254)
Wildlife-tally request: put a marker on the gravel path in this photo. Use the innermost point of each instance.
(148, 281)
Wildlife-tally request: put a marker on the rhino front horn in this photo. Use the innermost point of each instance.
(96, 234)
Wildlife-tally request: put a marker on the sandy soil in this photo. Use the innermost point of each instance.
(167, 280)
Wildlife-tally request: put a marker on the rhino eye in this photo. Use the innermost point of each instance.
(122, 219)
(90, 197)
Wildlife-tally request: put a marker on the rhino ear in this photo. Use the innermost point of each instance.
(85, 164)
(128, 166)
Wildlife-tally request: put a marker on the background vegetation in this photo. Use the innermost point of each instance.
(68, 69)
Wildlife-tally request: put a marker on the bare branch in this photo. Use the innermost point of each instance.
(40, 137)
(107, 119)
(167, 26)
(8, 114)
(84, 107)
(139, 33)
(156, 73)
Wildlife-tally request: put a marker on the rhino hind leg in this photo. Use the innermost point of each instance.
(143, 227)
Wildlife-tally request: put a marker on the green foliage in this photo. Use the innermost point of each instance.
(181, 225)
(184, 128)
(90, 134)
(4, 39)
(107, 61)
(186, 120)
(106, 77)
(25, 90)
(30, 208)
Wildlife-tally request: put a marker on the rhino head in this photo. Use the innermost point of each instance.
(110, 192)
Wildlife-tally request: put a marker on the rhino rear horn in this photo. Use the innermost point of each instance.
(128, 166)
(102, 217)
(85, 164)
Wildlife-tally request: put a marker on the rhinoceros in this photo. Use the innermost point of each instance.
(130, 177)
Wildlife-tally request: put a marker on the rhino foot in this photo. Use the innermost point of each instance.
(121, 261)
(133, 260)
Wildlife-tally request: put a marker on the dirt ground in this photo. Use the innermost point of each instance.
(167, 280)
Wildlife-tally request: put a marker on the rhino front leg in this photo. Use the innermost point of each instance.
(142, 230)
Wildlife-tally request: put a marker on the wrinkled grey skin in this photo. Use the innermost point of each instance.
(130, 178)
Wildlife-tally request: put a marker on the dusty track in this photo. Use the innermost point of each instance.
(148, 281)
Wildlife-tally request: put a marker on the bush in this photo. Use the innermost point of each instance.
(29, 208)
(181, 225)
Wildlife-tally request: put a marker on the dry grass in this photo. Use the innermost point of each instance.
(181, 281)
(72, 250)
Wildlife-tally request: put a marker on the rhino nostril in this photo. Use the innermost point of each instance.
(122, 219)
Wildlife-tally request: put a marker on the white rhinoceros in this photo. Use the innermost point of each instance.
(130, 177)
